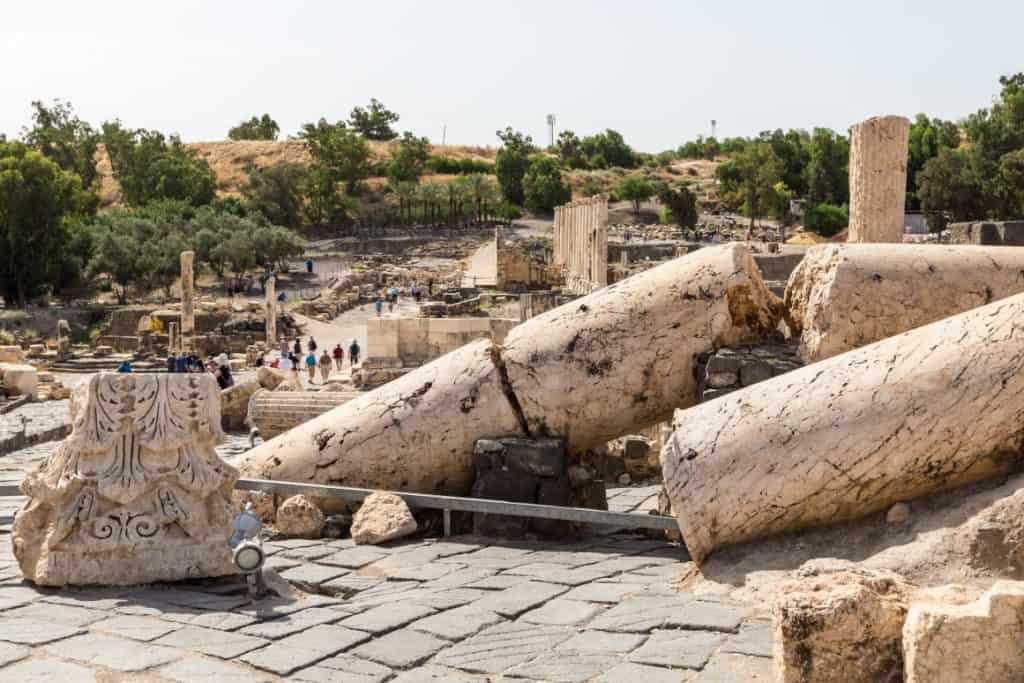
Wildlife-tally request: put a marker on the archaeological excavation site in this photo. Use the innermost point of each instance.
(330, 401)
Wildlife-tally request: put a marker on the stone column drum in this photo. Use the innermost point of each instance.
(924, 411)
(591, 370)
(137, 493)
(878, 179)
(841, 297)
(188, 311)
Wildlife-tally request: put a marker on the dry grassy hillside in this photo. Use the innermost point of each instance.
(229, 160)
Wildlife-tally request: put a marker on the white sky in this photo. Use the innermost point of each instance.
(656, 70)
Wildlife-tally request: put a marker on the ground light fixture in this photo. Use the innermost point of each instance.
(248, 554)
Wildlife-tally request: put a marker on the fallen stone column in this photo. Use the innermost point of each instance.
(594, 369)
(924, 411)
(275, 412)
(136, 493)
(623, 357)
(841, 297)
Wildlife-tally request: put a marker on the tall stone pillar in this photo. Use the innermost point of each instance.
(173, 345)
(878, 179)
(188, 311)
(271, 311)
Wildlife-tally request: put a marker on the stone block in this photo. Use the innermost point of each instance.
(539, 457)
(757, 371)
(150, 498)
(11, 354)
(722, 380)
(19, 380)
(725, 363)
(979, 641)
(841, 627)
(300, 517)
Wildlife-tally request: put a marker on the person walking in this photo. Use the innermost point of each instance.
(309, 265)
(353, 353)
(311, 346)
(339, 357)
(284, 363)
(379, 305)
(394, 294)
(295, 366)
(325, 365)
(297, 347)
(311, 366)
(182, 362)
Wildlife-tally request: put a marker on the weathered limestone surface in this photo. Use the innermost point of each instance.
(275, 412)
(599, 367)
(415, 433)
(980, 641)
(188, 311)
(841, 297)
(137, 493)
(840, 627)
(623, 357)
(927, 410)
(270, 310)
(19, 379)
(382, 517)
(878, 179)
(299, 516)
(11, 354)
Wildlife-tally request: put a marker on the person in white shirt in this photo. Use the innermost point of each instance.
(285, 363)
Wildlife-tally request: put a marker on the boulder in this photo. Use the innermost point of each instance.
(19, 380)
(845, 626)
(269, 378)
(978, 641)
(381, 518)
(300, 517)
(11, 354)
(234, 404)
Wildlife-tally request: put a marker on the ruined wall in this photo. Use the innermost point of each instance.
(998, 233)
(581, 243)
(516, 270)
(417, 340)
(878, 179)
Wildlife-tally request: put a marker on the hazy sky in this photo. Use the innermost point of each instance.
(656, 70)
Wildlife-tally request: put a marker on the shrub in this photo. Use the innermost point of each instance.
(826, 219)
(450, 166)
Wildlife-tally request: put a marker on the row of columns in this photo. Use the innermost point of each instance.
(581, 243)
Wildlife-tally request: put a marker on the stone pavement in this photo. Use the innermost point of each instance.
(460, 609)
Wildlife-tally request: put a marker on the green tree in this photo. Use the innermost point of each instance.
(826, 219)
(409, 160)
(374, 122)
(278, 193)
(999, 129)
(570, 150)
(256, 128)
(749, 179)
(701, 148)
(150, 167)
(511, 163)
(953, 186)
(927, 137)
(791, 149)
(543, 185)
(828, 179)
(339, 154)
(66, 139)
(276, 245)
(681, 204)
(635, 188)
(121, 239)
(37, 200)
(608, 149)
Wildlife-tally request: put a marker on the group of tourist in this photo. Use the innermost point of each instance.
(219, 366)
(292, 359)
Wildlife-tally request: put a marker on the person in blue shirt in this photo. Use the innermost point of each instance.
(311, 365)
(182, 362)
(125, 366)
(309, 265)
(379, 305)
(172, 362)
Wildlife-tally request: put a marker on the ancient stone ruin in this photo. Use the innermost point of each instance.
(581, 243)
(136, 494)
(878, 179)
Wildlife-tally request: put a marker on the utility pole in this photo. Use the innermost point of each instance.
(713, 124)
(444, 134)
(551, 129)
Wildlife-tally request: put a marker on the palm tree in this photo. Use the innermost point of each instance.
(431, 194)
(404, 191)
(458, 190)
(479, 188)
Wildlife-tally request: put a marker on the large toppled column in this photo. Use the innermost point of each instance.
(878, 179)
(137, 493)
(596, 368)
(931, 409)
(842, 297)
(188, 311)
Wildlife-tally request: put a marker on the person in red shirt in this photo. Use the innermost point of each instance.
(339, 356)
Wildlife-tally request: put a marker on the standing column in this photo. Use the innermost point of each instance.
(878, 179)
(172, 337)
(271, 312)
(188, 312)
(601, 213)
